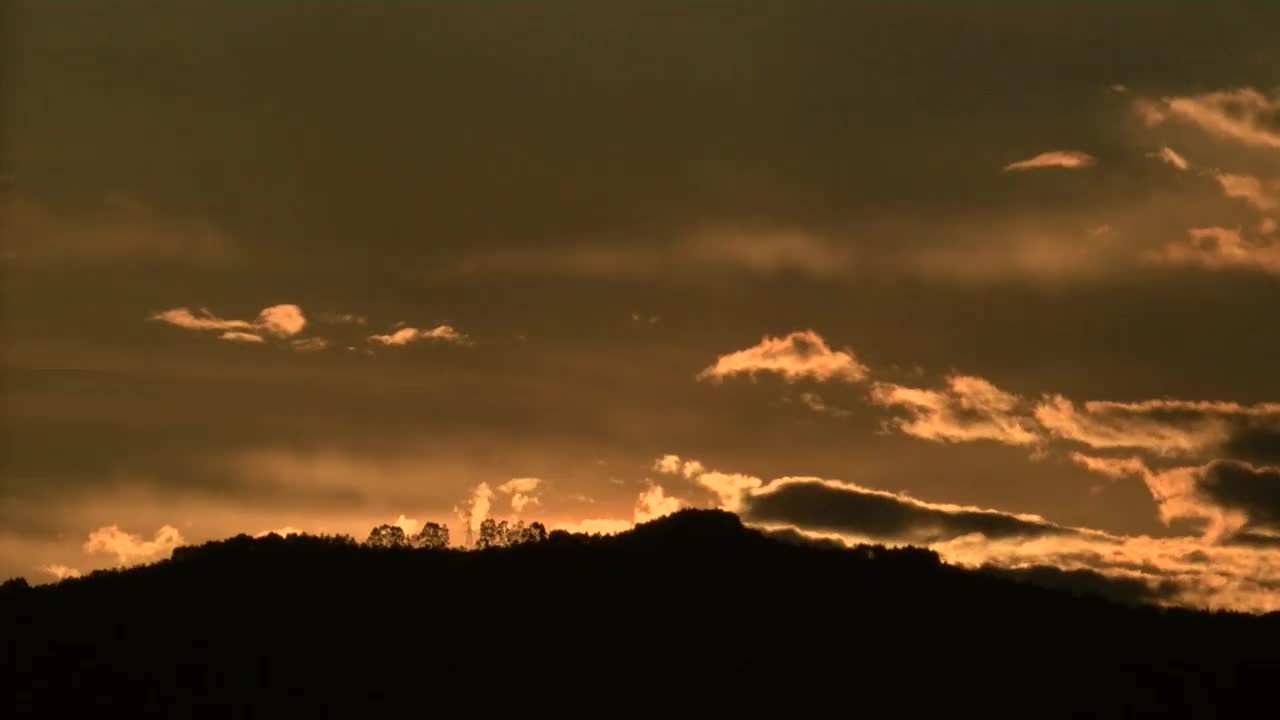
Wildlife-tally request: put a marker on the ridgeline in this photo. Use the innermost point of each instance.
(689, 613)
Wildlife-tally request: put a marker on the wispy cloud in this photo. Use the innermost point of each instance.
(309, 345)
(406, 335)
(970, 408)
(1244, 115)
(1171, 157)
(795, 356)
(1069, 159)
(1162, 427)
(814, 402)
(279, 321)
(1261, 195)
(1219, 248)
(341, 318)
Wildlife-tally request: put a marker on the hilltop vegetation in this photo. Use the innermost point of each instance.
(692, 610)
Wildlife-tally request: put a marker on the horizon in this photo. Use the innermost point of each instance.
(990, 279)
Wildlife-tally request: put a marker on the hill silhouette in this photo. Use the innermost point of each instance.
(689, 613)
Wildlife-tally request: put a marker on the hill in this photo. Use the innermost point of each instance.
(689, 612)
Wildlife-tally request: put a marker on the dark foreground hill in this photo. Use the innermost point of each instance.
(690, 614)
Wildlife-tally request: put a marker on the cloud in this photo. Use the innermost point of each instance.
(309, 345)
(202, 319)
(284, 531)
(1159, 426)
(476, 509)
(1244, 115)
(814, 402)
(407, 524)
(1114, 468)
(1170, 156)
(1071, 159)
(728, 487)
(1263, 196)
(795, 356)
(846, 508)
(673, 465)
(1229, 497)
(521, 491)
(591, 526)
(282, 321)
(764, 250)
(61, 572)
(1266, 226)
(970, 408)
(1183, 570)
(654, 503)
(130, 549)
(406, 335)
(341, 318)
(1219, 248)
(695, 250)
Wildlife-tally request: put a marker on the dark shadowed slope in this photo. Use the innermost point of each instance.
(692, 611)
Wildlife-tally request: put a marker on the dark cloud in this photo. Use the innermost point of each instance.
(1118, 588)
(1240, 486)
(1254, 444)
(834, 507)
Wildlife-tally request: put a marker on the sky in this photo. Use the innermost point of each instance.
(994, 278)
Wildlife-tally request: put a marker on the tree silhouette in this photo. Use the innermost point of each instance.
(536, 532)
(387, 536)
(500, 533)
(492, 534)
(432, 536)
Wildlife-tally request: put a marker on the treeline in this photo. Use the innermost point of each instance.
(434, 536)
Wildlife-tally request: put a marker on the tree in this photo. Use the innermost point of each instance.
(500, 533)
(387, 536)
(536, 533)
(492, 534)
(432, 536)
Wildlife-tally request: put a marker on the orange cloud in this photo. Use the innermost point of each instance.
(1219, 248)
(654, 503)
(591, 526)
(1070, 159)
(971, 408)
(281, 321)
(61, 572)
(199, 320)
(521, 491)
(309, 345)
(795, 356)
(1263, 196)
(406, 335)
(1244, 115)
(130, 549)
(1170, 156)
